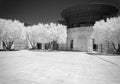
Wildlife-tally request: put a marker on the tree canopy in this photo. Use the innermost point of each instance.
(108, 31)
(10, 31)
(14, 30)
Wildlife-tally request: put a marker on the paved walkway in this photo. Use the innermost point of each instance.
(26, 67)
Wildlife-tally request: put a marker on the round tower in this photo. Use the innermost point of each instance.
(80, 19)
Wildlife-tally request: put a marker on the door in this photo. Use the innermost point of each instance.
(39, 45)
(71, 45)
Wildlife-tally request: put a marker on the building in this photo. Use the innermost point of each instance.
(80, 19)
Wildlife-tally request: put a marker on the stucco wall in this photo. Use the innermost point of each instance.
(81, 37)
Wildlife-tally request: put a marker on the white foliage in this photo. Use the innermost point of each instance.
(11, 30)
(41, 33)
(62, 34)
(58, 33)
(107, 31)
(45, 33)
(31, 33)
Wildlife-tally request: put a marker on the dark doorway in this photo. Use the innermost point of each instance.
(55, 45)
(71, 44)
(95, 47)
(39, 45)
(47, 46)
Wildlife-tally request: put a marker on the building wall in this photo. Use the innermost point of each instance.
(21, 45)
(81, 37)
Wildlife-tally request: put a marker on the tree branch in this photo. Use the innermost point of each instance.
(114, 47)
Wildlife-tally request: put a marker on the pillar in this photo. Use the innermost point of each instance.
(43, 46)
(90, 45)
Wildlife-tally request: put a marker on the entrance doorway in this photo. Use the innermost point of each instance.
(71, 45)
(39, 45)
(95, 47)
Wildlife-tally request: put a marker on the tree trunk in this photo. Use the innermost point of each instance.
(34, 46)
(43, 46)
(7, 45)
(118, 50)
(51, 45)
(114, 47)
(101, 48)
(4, 45)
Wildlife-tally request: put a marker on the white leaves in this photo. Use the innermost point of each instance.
(46, 33)
(11, 30)
(109, 30)
(41, 33)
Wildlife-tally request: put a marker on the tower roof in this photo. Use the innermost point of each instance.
(89, 11)
(97, 10)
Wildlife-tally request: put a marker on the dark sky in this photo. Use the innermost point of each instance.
(34, 11)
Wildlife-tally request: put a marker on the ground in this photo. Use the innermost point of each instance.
(34, 67)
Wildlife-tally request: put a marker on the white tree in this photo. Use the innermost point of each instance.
(11, 31)
(114, 26)
(108, 31)
(37, 34)
(62, 34)
(100, 32)
(46, 33)
(2, 24)
(43, 34)
(31, 34)
(57, 34)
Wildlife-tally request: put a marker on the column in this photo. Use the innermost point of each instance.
(90, 45)
(43, 46)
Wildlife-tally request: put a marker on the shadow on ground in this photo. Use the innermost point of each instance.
(9, 50)
(90, 53)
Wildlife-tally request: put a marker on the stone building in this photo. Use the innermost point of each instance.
(80, 19)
